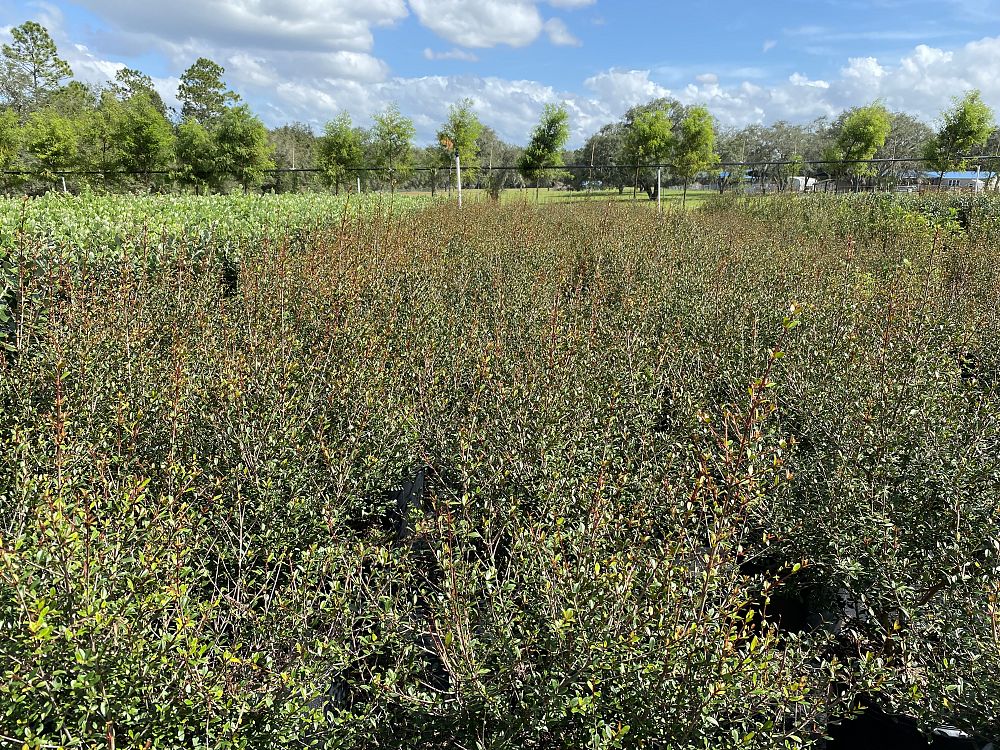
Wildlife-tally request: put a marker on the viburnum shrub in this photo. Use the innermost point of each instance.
(519, 476)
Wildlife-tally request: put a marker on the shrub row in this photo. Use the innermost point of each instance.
(515, 477)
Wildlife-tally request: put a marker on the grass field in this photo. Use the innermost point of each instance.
(292, 472)
(671, 197)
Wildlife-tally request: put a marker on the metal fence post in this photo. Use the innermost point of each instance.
(659, 191)
(458, 177)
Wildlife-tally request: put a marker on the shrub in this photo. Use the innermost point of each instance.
(515, 477)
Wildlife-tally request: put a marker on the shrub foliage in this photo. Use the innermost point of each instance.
(509, 478)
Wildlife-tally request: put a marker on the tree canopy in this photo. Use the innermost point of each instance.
(115, 134)
(859, 135)
(694, 150)
(242, 149)
(202, 93)
(130, 83)
(32, 68)
(966, 126)
(648, 139)
(196, 153)
(459, 136)
(543, 154)
(341, 151)
(392, 144)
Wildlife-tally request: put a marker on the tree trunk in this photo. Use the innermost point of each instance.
(684, 198)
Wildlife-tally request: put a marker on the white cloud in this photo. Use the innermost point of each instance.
(620, 89)
(797, 79)
(89, 67)
(511, 107)
(453, 54)
(921, 82)
(867, 69)
(769, 45)
(259, 42)
(307, 25)
(490, 23)
(481, 23)
(559, 33)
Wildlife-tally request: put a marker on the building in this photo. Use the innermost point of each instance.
(801, 184)
(974, 182)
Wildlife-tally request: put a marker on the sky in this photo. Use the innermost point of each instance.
(746, 60)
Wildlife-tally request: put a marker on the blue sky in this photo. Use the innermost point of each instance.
(749, 61)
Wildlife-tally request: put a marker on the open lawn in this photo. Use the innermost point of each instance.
(671, 197)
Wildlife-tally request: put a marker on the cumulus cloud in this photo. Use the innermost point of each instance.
(259, 42)
(559, 33)
(797, 79)
(305, 25)
(620, 89)
(921, 82)
(490, 23)
(481, 23)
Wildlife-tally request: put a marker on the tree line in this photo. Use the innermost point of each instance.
(122, 136)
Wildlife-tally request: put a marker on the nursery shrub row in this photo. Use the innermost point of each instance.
(557, 477)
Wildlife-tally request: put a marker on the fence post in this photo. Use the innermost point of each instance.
(458, 177)
(359, 186)
(659, 191)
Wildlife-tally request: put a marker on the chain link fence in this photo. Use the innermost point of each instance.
(905, 174)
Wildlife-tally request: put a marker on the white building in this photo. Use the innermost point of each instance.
(801, 184)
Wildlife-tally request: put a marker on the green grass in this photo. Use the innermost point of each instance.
(671, 197)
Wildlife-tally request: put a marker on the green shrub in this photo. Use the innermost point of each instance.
(629, 442)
